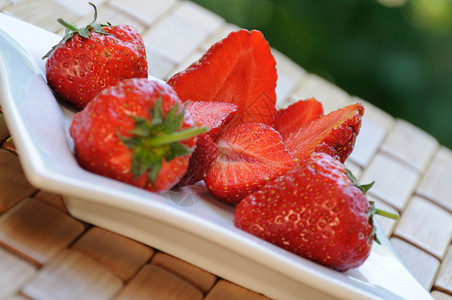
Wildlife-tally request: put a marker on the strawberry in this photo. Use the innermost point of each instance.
(334, 134)
(239, 69)
(316, 211)
(249, 156)
(92, 58)
(296, 116)
(136, 132)
(204, 155)
(213, 115)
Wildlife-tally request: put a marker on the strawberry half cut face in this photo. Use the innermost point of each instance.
(249, 156)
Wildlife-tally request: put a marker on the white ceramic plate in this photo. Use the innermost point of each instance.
(188, 223)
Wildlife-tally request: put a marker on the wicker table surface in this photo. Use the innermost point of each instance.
(47, 254)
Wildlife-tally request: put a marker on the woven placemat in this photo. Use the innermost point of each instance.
(47, 254)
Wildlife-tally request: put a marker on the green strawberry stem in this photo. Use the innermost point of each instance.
(72, 29)
(387, 214)
(152, 141)
(376, 211)
(373, 210)
(174, 137)
(68, 25)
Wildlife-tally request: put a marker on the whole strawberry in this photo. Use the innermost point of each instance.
(136, 132)
(92, 58)
(314, 210)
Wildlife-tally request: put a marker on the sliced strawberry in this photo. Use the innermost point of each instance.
(249, 156)
(204, 155)
(213, 115)
(296, 116)
(334, 134)
(239, 69)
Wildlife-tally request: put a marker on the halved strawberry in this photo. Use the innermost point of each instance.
(204, 155)
(296, 116)
(249, 156)
(213, 115)
(334, 134)
(239, 69)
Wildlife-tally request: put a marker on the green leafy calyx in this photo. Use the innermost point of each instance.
(160, 139)
(363, 187)
(373, 210)
(71, 30)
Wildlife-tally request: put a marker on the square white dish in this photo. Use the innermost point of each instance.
(188, 223)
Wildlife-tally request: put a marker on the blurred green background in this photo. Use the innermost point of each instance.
(396, 54)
